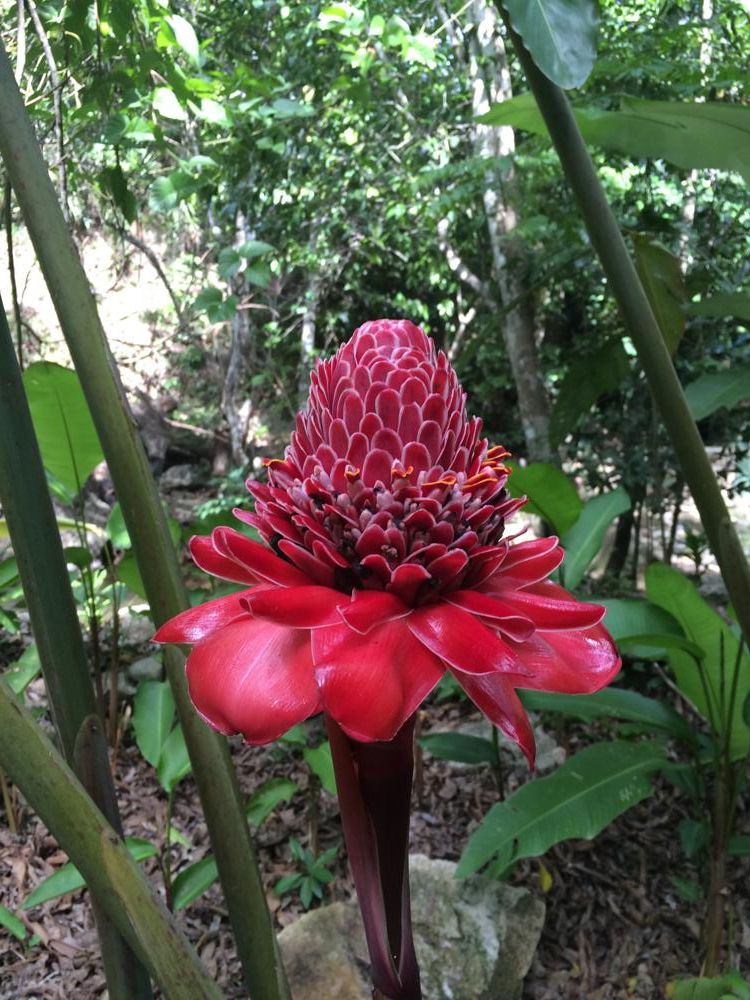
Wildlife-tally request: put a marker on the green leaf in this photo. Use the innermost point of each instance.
(739, 845)
(193, 881)
(8, 571)
(644, 628)
(113, 180)
(687, 888)
(67, 437)
(461, 747)
(611, 703)
(559, 34)
(186, 38)
(153, 714)
(676, 594)
(164, 100)
(23, 671)
(586, 381)
(578, 800)
(259, 275)
(319, 760)
(254, 248)
(11, 923)
(662, 280)
(694, 836)
(228, 263)
(266, 797)
(284, 108)
(68, 879)
(174, 762)
(551, 493)
(723, 304)
(692, 136)
(166, 193)
(128, 573)
(728, 987)
(583, 541)
(213, 112)
(714, 390)
(118, 532)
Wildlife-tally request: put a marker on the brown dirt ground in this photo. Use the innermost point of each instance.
(615, 928)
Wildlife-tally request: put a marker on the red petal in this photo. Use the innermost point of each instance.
(527, 563)
(503, 617)
(201, 622)
(372, 607)
(253, 678)
(210, 561)
(311, 569)
(257, 558)
(552, 608)
(569, 662)
(493, 694)
(463, 641)
(406, 581)
(372, 684)
(297, 607)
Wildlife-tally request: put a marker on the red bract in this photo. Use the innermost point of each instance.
(385, 563)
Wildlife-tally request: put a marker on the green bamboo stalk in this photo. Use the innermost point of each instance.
(643, 328)
(146, 522)
(99, 853)
(49, 599)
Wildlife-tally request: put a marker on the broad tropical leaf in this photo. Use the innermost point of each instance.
(714, 390)
(67, 437)
(676, 594)
(551, 494)
(559, 34)
(612, 703)
(584, 539)
(662, 280)
(578, 800)
(690, 135)
(587, 380)
(69, 879)
(153, 714)
(461, 747)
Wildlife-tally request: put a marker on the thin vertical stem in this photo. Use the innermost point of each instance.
(49, 599)
(8, 212)
(95, 848)
(643, 328)
(147, 526)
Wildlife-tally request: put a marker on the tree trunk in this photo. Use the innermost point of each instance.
(490, 76)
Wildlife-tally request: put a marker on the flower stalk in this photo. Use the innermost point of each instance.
(147, 526)
(641, 324)
(373, 781)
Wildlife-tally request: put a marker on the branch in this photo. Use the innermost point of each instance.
(462, 271)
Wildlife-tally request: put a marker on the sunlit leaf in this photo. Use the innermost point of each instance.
(559, 34)
(551, 494)
(67, 437)
(583, 541)
(661, 275)
(714, 390)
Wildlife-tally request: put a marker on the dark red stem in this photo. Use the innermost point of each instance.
(374, 788)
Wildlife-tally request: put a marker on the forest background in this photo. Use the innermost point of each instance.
(249, 182)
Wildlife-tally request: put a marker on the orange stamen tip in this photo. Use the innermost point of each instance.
(446, 481)
(498, 452)
(352, 474)
(401, 472)
(268, 462)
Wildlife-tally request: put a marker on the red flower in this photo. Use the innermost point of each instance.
(386, 561)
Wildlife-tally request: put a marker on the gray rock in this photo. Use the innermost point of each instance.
(183, 477)
(475, 940)
(147, 668)
(135, 629)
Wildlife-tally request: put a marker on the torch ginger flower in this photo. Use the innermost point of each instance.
(386, 562)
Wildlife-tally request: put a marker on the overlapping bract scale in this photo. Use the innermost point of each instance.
(387, 484)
